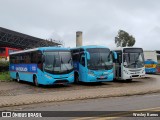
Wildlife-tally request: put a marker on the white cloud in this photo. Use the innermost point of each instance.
(99, 20)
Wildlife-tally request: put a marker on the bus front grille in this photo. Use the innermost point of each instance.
(61, 81)
(135, 76)
(135, 70)
(61, 78)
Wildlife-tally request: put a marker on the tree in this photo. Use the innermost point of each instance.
(123, 39)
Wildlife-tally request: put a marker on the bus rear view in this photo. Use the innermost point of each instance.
(92, 64)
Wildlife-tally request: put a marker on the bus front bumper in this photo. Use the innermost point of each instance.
(59, 79)
(103, 78)
(133, 76)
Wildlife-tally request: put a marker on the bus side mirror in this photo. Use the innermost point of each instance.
(115, 55)
(43, 58)
(88, 56)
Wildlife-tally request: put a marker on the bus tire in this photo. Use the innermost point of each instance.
(129, 80)
(17, 78)
(114, 80)
(35, 81)
(76, 80)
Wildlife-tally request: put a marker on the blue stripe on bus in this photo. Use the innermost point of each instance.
(32, 68)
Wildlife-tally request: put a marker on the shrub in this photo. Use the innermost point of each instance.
(4, 76)
(4, 66)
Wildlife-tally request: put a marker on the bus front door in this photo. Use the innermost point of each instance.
(118, 68)
(82, 69)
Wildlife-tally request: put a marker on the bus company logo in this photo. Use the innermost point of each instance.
(34, 68)
(21, 114)
(6, 114)
(23, 69)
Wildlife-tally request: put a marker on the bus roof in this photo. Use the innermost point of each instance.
(40, 48)
(89, 46)
(121, 48)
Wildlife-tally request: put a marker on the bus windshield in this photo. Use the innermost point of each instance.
(133, 58)
(100, 58)
(58, 62)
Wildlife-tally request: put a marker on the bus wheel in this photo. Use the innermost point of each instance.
(115, 80)
(76, 80)
(35, 81)
(17, 78)
(129, 80)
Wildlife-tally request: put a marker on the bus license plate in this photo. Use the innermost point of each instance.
(102, 77)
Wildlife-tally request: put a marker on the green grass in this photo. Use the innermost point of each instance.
(4, 76)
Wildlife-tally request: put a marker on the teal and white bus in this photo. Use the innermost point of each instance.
(42, 66)
(93, 64)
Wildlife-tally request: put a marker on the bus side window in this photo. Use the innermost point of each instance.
(120, 58)
(75, 55)
(34, 58)
(114, 60)
(82, 61)
(40, 65)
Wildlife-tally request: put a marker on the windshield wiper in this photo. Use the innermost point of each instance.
(132, 63)
(69, 60)
(93, 67)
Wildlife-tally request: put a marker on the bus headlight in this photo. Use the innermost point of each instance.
(91, 73)
(125, 71)
(47, 76)
(71, 75)
(143, 71)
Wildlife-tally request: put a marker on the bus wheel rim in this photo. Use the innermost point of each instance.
(36, 82)
(18, 79)
(77, 79)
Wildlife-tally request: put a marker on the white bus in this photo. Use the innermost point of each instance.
(129, 63)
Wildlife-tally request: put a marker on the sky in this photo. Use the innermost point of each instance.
(99, 20)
